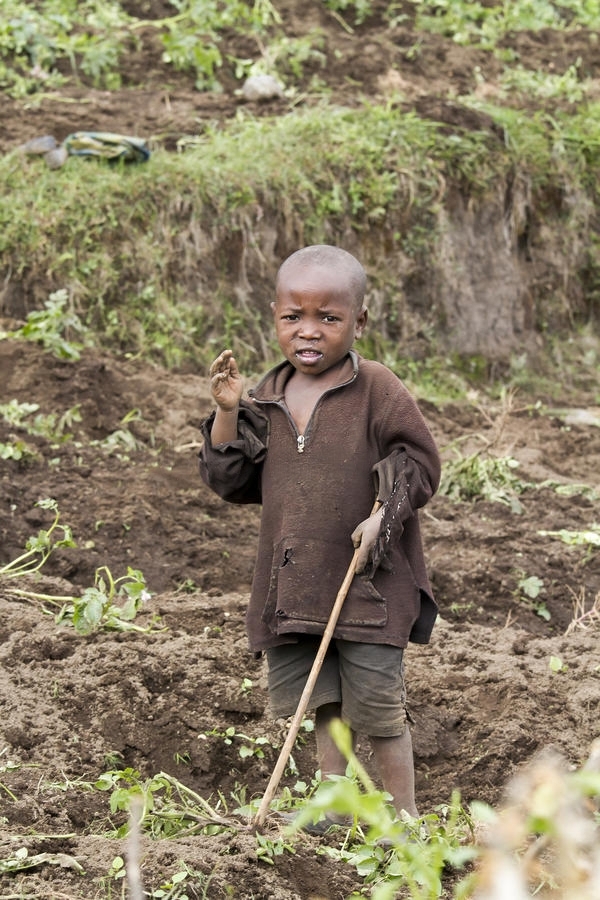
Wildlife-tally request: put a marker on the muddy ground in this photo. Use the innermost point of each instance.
(483, 695)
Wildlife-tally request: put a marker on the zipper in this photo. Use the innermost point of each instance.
(301, 438)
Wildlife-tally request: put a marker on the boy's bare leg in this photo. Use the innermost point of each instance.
(331, 760)
(394, 758)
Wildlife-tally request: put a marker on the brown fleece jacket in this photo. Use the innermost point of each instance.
(366, 438)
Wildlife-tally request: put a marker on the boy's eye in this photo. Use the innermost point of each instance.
(330, 318)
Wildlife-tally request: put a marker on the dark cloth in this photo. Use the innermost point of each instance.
(366, 438)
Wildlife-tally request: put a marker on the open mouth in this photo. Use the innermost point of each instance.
(308, 355)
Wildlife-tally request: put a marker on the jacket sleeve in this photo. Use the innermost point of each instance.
(405, 480)
(233, 470)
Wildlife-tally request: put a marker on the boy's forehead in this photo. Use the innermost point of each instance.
(312, 276)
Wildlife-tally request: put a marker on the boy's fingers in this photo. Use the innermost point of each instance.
(356, 536)
(361, 561)
(224, 363)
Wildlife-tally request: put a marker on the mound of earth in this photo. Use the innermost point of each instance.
(483, 695)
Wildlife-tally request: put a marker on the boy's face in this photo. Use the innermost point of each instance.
(316, 318)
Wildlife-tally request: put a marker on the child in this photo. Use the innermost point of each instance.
(324, 434)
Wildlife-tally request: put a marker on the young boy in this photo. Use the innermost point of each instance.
(323, 435)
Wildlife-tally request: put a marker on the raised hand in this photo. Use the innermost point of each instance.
(226, 383)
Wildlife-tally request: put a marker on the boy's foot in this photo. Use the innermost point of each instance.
(323, 826)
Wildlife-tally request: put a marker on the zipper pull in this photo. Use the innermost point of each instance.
(300, 443)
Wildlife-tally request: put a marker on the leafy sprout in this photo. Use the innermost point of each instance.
(39, 548)
(110, 604)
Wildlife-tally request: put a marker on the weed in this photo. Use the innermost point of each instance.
(17, 450)
(4, 768)
(419, 849)
(168, 808)
(267, 848)
(485, 24)
(481, 477)
(527, 593)
(246, 686)
(250, 746)
(52, 326)
(588, 538)
(361, 8)
(39, 548)
(50, 426)
(20, 861)
(111, 604)
(556, 665)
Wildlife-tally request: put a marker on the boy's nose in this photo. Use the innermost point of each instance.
(309, 329)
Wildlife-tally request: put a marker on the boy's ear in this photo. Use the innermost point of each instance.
(361, 321)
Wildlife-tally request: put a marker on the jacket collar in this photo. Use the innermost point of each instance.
(271, 388)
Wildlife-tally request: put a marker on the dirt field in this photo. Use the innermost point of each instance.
(483, 695)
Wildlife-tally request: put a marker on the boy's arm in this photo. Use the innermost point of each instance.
(227, 386)
(235, 438)
(405, 479)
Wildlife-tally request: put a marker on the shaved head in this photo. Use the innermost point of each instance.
(332, 259)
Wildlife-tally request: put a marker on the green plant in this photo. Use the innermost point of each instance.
(174, 887)
(557, 665)
(256, 746)
(528, 592)
(362, 8)
(49, 326)
(50, 426)
(589, 537)
(111, 604)
(250, 746)
(122, 441)
(388, 852)
(485, 24)
(17, 450)
(7, 767)
(246, 686)
(165, 807)
(481, 477)
(546, 85)
(39, 548)
(20, 861)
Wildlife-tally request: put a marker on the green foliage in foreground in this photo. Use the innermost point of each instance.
(546, 833)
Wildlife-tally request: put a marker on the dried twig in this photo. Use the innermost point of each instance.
(584, 618)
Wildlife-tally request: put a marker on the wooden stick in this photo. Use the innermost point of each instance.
(290, 740)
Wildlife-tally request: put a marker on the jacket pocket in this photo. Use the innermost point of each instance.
(306, 576)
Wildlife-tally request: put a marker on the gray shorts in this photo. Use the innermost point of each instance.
(367, 679)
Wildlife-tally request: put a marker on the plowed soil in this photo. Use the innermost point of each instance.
(483, 695)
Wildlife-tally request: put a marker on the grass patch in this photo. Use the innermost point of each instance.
(164, 261)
